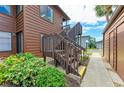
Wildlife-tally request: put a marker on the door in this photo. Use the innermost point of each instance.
(19, 42)
(120, 50)
(111, 49)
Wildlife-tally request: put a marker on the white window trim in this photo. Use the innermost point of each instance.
(7, 50)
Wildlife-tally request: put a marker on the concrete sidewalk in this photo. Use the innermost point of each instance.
(96, 74)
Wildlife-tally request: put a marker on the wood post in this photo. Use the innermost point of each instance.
(44, 58)
(67, 57)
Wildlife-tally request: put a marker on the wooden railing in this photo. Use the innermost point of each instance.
(66, 27)
(66, 36)
(76, 30)
(64, 50)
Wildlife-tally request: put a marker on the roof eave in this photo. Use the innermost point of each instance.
(64, 14)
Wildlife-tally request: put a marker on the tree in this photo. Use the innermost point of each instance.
(92, 43)
(104, 10)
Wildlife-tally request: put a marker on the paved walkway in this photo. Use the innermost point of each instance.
(118, 82)
(96, 74)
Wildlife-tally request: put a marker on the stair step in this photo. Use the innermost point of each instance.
(82, 70)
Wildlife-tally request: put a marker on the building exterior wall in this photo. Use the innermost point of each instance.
(8, 24)
(32, 25)
(113, 44)
(83, 41)
(20, 22)
(35, 25)
(99, 45)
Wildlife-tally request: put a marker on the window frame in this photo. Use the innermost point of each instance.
(46, 19)
(11, 43)
(19, 11)
(10, 10)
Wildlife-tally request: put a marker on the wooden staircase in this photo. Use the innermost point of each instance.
(64, 50)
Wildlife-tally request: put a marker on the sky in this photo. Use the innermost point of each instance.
(92, 25)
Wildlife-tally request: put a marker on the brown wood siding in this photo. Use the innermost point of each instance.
(113, 27)
(106, 50)
(20, 22)
(8, 24)
(120, 50)
(114, 50)
(34, 26)
(117, 27)
(111, 49)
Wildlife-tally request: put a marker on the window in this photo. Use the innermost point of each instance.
(5, 41)
(5, 9)
(18, 9)
(46, 12)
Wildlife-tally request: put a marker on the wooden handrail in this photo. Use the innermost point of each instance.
(76, 30)
(68, 38)
(63, 49)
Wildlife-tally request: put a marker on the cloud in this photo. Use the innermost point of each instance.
(81, 13)
(91, 24)
(99, 27)
(84, 31)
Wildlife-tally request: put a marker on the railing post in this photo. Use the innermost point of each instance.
(78, 58)
(67, 57)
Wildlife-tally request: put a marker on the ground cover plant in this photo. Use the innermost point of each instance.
(26, 70)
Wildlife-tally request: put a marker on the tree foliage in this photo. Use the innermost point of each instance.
(104, 10)
(92, 43)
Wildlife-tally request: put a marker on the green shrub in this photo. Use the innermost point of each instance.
(26, 70)
(86, 52)
(21, 57)
(23, 74)
(12, 60)
(50, 77)
(84, 58)
(89, 53)
(25, 56)
(2, 72)
(18, 62)
(1, 78)
(27, 75)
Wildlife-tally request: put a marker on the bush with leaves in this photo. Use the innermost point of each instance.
(21, 57)
(20, 61)
(26, 70)
(50, 77)
(23, 74)
(3, 70)
(84, 58)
